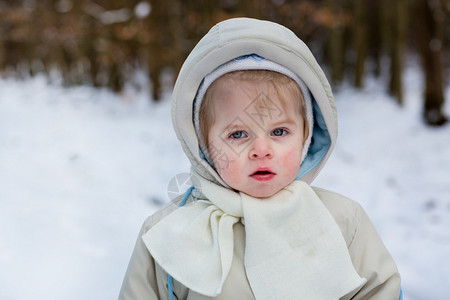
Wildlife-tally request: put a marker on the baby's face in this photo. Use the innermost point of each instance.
(256, 140)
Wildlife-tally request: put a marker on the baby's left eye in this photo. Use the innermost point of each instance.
(279, 132)
(238, 135)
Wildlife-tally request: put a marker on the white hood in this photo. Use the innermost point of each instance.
(242, 36)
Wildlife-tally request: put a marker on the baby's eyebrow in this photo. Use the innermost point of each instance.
(287, 120)
(284, 119)
(232, 126)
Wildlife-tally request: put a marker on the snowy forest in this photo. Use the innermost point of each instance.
(100, 42)
(87, 150)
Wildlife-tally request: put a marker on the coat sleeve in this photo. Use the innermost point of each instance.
(141, 278)
(145, 279)
(373, 262)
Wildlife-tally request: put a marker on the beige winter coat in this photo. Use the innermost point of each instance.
(145, 279)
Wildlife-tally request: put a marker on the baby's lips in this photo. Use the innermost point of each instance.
(262, 171)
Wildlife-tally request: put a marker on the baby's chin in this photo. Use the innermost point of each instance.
(261, 194)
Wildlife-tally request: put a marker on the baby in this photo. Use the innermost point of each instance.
(255, 116)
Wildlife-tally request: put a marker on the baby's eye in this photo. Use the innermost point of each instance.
(238, 135)
(279, 132)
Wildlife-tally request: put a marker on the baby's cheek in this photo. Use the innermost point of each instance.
(228, 171)
(291, 162)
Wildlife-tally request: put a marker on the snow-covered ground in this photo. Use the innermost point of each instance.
(80, 169)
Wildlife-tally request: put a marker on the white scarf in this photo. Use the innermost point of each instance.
(294, 248)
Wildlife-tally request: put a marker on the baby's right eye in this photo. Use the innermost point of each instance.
(238, 135)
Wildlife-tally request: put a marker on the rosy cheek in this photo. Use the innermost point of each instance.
(291, 162)
(229, 176)
(227, 169)
(223, 166)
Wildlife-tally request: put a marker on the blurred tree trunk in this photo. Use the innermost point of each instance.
(429, 32)
(398, 21)
(375, 34)
(178, 34)
(158, 28)
(88, 49)
(335, 44)
(360, 15)
(36, 25)
(2, 49)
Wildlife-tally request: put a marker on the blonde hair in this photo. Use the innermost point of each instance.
(284, 86)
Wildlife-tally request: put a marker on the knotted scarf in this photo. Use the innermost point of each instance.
(294, 248)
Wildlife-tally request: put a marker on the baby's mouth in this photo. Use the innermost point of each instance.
(263, 175)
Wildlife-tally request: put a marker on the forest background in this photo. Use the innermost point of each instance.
(103, 42)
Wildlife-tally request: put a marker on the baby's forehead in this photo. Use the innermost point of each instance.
(236, 84)
(265, 89)
(262, 76)
(258, 100)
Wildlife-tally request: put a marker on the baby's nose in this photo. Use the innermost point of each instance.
(260, 148)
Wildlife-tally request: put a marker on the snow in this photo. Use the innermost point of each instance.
(81, 168)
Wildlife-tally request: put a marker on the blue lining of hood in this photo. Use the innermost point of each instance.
(320, 142)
